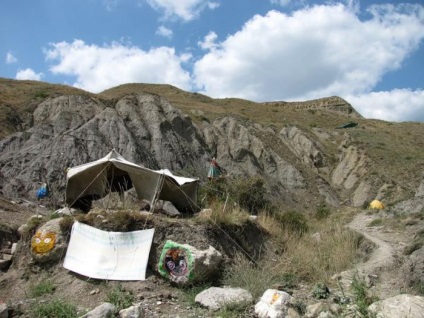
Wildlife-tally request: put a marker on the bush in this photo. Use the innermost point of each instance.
(42, 288)
(362, 298)
(250, 194)
(55, 309)
(293, 221)
(255, 278)
(322, 211)
(120, 298)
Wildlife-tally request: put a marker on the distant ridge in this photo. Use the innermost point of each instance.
(333, 104)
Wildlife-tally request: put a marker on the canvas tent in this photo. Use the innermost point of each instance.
(113, 173)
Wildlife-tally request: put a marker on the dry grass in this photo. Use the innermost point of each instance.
(318, 257)
(326, 249)
(221, 214)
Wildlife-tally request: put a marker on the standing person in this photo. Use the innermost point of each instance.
(214, 170)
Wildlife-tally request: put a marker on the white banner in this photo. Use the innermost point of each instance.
(108, 255)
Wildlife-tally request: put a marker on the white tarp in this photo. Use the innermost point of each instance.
(108, 255)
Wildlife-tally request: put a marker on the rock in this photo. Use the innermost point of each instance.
(215, 298)
(167, 208)
(14, 247)
(145, 205)
(314, 310)
(273, 304)
(66, 211)
(4, 311)
(291, 313)
(24, 228)
(325, 314)
(7, 257)
(105, 310)
(145, 126)
(417, 266)
(48, 244)
(135, 311)
(400, 306)
(303, 146)
(420, 190)
(183, 263)
(4, 264)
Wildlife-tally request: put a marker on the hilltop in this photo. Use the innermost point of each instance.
(298, 176)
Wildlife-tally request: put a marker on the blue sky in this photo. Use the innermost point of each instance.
(369, 52)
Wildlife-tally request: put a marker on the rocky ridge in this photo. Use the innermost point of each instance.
(145, 128)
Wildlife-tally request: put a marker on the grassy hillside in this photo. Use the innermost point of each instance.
(395, 149)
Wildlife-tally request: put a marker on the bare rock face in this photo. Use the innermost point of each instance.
(398, 306)
(72, 130)
(242, 153)
(303, 146)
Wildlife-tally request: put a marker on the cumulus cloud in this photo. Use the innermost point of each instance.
(164, 31)
(317, 51)
(281, 2)
(186, 10)
(208, 42)
(10, 58)
(395, 105)
(28, 74)
(100, 67)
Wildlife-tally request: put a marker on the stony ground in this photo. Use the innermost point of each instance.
(161, 299)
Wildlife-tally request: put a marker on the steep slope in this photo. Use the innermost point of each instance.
(293, 146)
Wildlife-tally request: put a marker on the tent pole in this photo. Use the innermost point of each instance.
(157, 191)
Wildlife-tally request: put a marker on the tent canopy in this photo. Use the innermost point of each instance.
(112, 173)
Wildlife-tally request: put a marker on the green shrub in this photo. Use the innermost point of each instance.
(120, 298)
(322, 211)
(362, 298)
(55, 309)
(293, 221)
(320, 291)
(250, 194)
(42, 288)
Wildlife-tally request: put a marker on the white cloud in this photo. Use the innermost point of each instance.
(395, 105)
(10, 58)
(164, 31)
(28, 74)
(97, 68)
(314, 52)
(110, 4)
(281, 2)
(208, 42)
(183, 9)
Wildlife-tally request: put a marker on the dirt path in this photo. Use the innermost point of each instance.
(382, 270)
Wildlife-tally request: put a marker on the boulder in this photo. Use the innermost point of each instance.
(215, 298)
(400, 306)
(48, 244)
(135, 311)
(273, 304)
(184, 264)
(105, 310)
(4, 311)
